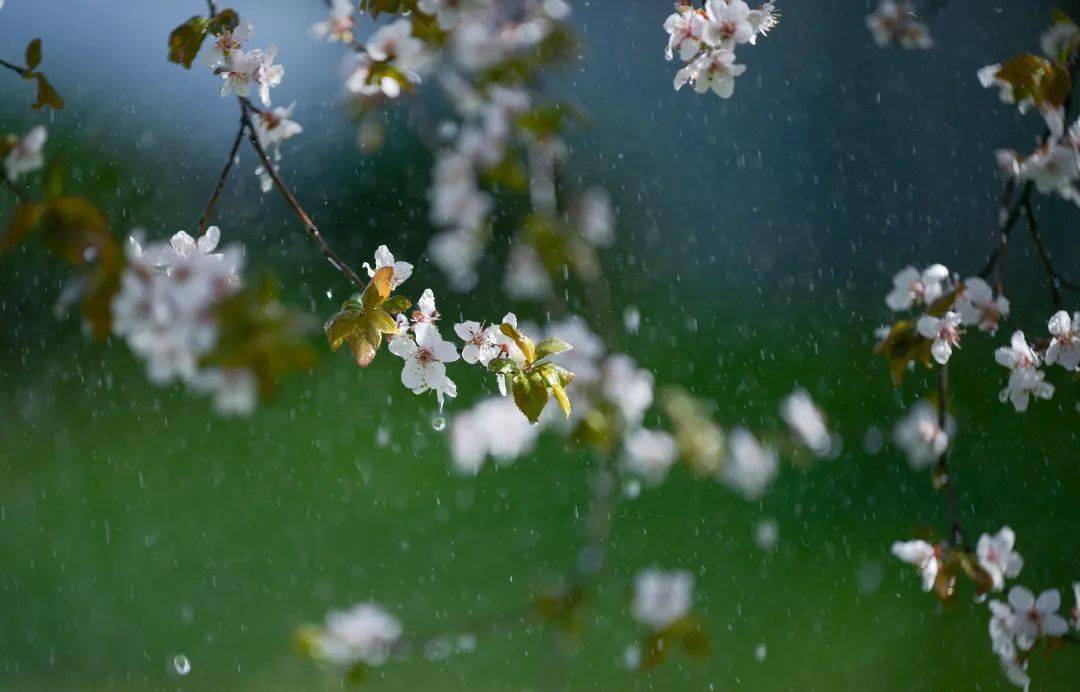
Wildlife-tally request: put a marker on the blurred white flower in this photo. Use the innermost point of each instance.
(806, 421)
(977, 305)
(661, 598)
(920, 435)
(628, 388)
(997, 556)
(751, 467)
(595, 217)
(26, 154)
(339, 24)
(363, 634)
(649, 455)
(1025, 379)
(714, 70)
(274, 126)
(925, 557)
(895, 22)
(492, 428)
(913, 288)
(945, 333)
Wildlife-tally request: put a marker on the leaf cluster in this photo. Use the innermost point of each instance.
(361, 323)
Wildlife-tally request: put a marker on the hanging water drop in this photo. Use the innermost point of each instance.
(181, 664)
(439, 423)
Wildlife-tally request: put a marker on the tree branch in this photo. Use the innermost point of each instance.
(21, 71)
(1053, 276)
(221, 178)
(309, 225)
(948, 488)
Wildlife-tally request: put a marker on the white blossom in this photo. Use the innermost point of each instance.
(945, 333)
(26, 154)
(661, 597)
(395, 43)
(649, 455)
(1064, 349)
(628, 388)
(806, 421)
(267, 74)
(728, 23)
(920, 435)
(526, 276)
(924, 556)
(913, 288)
(339, 24)
(584, 359)
(222, 46)
(977, 305)
(1035, 617)
(715, 69)
(894, 21)
(238, 70)
(274, 126)
(480, 342)
(684, 27)
(1025, 380)
(425, 312)
(363, 634)
(751, 466)
(595, 217)
(384, 258)
(425, 355)
(996, 556)
(1054, 167)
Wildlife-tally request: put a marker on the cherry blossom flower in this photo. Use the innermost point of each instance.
(1075, 614)
(944, 331)
(584, 359)
(480, 342)
(920, 435)
(763, 20)
(1064, 348)
(492, 428)
(649, 455)
(912, 287)
(384, 258)
(1025, 380)
(445, 11)
(267, 74)
(684, 27)
(395, 43)
(339, 25)
(925, 557)
(595, 217)
(225, 44)
(526, 276)
(1054, 167)
(238, 70)
(714, 70)
(274, 126)
(425, 312)
(360, 82)
(978, 306)
(425, 361)
(662, 597)
(1002, 641)
(728, 24)
(26, 154)
(751, 466)
(996, 556)
(1035, 617)
(806, 421)
(894, 21)
(363, 634)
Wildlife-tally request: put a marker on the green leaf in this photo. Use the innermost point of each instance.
(903, 345)
(357, 674)
(364, 344)
(46, 94)
(24, 217)
(396, 304)
(186, 40)
(54, 182)
(33, 54)
(223, 22)
(503, 366)
(552, 346)
(382, 321)
(530, 394)
(342, 325)
(77, 231)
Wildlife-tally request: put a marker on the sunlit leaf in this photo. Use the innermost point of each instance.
(77, 231)
(24, 217)
(902, 346)
(530, 394)
(223, 22)
(556, 379)
(33, 54)
(397, 304)
(523, 342)
(1036, 78)
(551, 346)
(378, 289)
(341, 325)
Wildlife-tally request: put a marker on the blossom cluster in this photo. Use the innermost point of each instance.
(705, 39)
(362, 635)
(165, 310)
(1017, 625)
(895, 21)
(949, 306)
(995, 554)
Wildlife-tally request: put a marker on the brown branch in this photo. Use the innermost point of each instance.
(1008, 214)
(309, 225)
(221, 178)
(1053, 276)
(948, 488)
(21, 71)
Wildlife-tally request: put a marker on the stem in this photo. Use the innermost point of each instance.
(15, 189)
(21, 71)
(1051, 276)
(221, 178)
(312, 230)
(1008, 214)
(956, 532)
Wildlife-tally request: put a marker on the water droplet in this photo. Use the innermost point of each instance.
(761, 652)
(329, 294)
(181, 664)
(631, 489)
(439, 423)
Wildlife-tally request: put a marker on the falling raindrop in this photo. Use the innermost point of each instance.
(329, 294)
(439, 423)
(181, 664)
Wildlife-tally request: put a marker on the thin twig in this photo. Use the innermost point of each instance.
(290, 199)
(14, 68)
(948, 488)
(221, 178)
(1051, 275)
(15, 189)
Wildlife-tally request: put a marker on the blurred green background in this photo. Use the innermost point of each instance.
(757, 237)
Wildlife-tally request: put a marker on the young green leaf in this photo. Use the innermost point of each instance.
(33, 54)
(523, 342)
(530, 394)
(46, 94)
(552, 346)
(397, 304)
(378, 289)
(186, 40)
